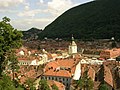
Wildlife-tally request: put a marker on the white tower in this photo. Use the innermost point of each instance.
(72, 47)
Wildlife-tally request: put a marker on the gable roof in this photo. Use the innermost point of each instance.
(61, 67)
(108, 76)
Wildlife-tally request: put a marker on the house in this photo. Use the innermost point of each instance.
(108, 77)
(90, 72)
(23, 74)
(104, 74)
(21, 51)
(28, 61)
(44, 58)
(107, 54)
(91, 61)
(62, 70)
(32, 57)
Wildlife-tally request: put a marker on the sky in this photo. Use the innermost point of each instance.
(25, 14)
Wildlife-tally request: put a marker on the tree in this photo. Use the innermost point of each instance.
(6, 83)
(12, 58)
(10, 39)
(85, 82)
(103, 87)
(30, 83)
(80, 83)
(54, 87)
(43, 85)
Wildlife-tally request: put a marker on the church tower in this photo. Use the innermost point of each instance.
(72, 47)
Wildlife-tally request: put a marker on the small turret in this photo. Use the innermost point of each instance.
(73, 41)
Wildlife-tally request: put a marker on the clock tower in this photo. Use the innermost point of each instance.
(72, 47)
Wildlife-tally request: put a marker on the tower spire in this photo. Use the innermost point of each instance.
(72, 38)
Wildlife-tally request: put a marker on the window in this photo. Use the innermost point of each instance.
(56, 78)
(52, 78)
(67, 84)
(59, 79)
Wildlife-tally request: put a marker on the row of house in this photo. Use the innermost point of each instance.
(64, 69)
(67, 70)
(112, 53)
(34, 57)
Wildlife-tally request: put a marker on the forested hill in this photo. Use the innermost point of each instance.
(31, 33)
(96, 19)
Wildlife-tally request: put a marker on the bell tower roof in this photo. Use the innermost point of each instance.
(73, 42)
(72, 38)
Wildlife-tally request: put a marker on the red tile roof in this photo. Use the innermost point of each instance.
(110, 53)
(91, 73)
(108, 76)
(61, 67)
(58, 84)
(24, 73)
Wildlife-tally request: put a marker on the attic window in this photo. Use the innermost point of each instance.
(62, 68)
(57, 70)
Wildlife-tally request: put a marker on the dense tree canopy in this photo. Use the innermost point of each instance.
(103, 87)
(10, 39)
(43, 85)
(54, 87)
(7, 84)
(30, 83)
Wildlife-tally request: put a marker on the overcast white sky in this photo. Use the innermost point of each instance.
(25, 14)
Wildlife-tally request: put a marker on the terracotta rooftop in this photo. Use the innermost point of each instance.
(26, 51)
(24, 73)
(58, 84)
(61, 67)
(108, 76)
(91, 73)
(110, 53)
(28, 58)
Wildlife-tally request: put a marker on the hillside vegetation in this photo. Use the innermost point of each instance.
(99, 19)
(31, 33)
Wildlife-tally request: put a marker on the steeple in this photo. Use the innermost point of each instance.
(113, 43)
(72, 38)
(73, 41)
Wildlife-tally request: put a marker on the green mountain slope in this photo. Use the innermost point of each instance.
(31, 33)
(97, 19)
